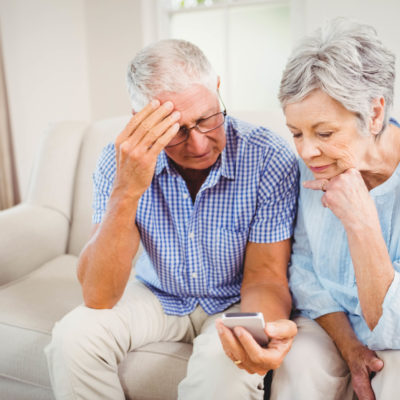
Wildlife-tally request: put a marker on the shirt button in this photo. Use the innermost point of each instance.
(191, 235)
(194, 275)
(185, 196)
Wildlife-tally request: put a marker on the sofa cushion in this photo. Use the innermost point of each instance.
(29, 308)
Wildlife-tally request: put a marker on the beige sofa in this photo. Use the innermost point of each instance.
(40, 241)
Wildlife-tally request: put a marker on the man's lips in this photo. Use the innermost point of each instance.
(200, 155)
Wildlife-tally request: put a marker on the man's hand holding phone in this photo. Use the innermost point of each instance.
(244, 350)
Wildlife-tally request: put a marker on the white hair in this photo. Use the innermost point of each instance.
(348, 62)
(168, 65)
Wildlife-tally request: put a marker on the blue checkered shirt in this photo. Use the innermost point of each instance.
(194, 252)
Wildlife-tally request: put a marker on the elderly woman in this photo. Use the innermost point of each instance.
(337, 94)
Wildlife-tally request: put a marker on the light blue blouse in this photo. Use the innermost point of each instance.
(322, 278)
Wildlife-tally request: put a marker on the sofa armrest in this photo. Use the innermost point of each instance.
(30, 235)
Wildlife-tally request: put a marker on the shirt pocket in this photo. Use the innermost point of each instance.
(228, 250)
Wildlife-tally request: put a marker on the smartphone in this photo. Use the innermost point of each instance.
(252, 322)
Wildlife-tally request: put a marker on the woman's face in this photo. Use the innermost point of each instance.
(326, 135)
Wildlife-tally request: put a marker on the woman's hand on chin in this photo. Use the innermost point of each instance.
(347, 196)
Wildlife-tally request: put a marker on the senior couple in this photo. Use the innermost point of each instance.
(213, 201)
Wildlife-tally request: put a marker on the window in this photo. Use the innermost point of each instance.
(247, 42)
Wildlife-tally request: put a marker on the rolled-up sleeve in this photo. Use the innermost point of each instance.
(386, 334)
(309, 296)
(277, 196)
(103, 180)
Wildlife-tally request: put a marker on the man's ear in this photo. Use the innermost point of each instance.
(378, 114)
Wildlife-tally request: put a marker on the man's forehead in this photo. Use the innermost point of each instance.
(194, 91)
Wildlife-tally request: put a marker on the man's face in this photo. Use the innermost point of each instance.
(200, 150)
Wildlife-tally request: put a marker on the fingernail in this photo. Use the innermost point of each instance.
(271, 328)
(155, 103)
(168, 105)
(238, 332)
(176, 115)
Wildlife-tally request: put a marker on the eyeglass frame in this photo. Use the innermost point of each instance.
(187, 130)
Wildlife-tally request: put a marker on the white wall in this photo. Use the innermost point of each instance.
(114, 35)
(383, 15)
(65, 60)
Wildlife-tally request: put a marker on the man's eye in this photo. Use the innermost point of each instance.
(296, 135)
(182, 132)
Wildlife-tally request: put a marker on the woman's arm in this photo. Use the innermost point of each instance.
(361, 361)
(348, 198)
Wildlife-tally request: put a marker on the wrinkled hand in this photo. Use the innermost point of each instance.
(363, 363)
(347, 196)
(240, 345)
(139, 144)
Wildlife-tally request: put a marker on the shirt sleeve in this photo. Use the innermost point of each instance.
(103, 180)
(277, 199)
(309, 296)
(385, 335)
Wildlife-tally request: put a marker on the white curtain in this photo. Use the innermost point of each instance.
(8, 179)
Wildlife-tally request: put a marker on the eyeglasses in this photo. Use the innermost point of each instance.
(203, 125)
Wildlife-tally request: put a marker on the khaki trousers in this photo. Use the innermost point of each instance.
(88, 344)
(314, 370)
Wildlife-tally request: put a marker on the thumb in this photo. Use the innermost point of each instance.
(281, 329)
(375, 364)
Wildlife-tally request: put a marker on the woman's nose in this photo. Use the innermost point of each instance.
(308, 149)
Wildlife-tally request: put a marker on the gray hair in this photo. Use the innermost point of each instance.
(168, 65)
(348, 62)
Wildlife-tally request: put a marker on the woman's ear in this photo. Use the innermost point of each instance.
(378, 115)
(218, 82)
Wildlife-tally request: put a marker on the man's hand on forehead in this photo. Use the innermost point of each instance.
(139, 144)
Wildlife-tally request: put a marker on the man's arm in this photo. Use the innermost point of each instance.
(264, 288)
(105, 263)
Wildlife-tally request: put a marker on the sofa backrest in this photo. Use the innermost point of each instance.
(95, 138)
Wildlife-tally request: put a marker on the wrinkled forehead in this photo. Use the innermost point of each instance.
(196, 96)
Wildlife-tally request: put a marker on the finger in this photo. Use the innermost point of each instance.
(261, 359)
(375, 364)
(281, 329)
(362, 386)
(149, 122)
(158, 130)
(163, 140)
(316, 184)
(230, 343)
(136, 119)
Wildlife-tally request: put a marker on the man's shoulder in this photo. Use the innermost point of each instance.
(258, 136)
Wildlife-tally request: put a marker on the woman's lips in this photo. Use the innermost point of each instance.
(320, 168)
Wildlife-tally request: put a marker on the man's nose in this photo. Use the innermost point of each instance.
(197, 141)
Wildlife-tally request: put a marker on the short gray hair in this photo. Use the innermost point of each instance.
(348, 62)
(167, 65)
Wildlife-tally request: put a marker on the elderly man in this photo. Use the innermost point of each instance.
(212, 199)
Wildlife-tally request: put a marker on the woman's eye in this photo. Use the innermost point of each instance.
(325, 134)
(296, 135)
